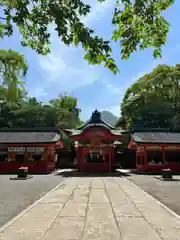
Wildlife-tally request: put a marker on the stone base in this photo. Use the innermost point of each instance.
(166, 179)
(17, 178)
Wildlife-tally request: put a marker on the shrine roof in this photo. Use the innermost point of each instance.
(96, 118)
(80, 131)
(29, 135)
(156, 137)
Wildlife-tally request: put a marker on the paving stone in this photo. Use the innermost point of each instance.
(66, 229)
(125, 209)
(132, 228)
(33, 224)
(110, 183)
(56, 199)
(74, 209)
(83, 182)
(97, 183)
(80, 195)
(117, 196)
(61, 194)
(102, 230)
(169, 233)
(98, 195)
(100, 223)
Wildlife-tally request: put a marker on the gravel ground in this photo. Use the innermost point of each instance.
(167, 192)
(16, 195)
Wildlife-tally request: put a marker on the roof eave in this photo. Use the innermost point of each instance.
(6, 143)
(140, 142)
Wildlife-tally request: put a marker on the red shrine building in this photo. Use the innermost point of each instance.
(33, 148)
(156, 150)
(95, 145)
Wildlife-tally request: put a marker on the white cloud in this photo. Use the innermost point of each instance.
(113, 90)
(65, 65)
(37, 92)
(98, 10)
(52, 64)
(65, 75)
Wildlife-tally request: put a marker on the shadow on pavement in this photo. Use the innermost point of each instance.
(75, 173)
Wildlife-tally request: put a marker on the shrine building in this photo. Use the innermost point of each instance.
(33, 148)
(156, 149)
(95, 144)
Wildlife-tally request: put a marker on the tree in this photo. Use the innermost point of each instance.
(154, 100)
(12, 68)
(67, 110)
(61, 112)
(138, 24)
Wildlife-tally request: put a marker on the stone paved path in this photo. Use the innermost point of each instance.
(97, 208)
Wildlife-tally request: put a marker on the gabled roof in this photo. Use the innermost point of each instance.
(30, 135)
(75, 132)
(156, 137)
(96, 118)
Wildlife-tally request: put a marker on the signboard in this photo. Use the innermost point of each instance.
(140, 149)
(172, 148)
(16, 149)
(23, 149)
(35, 149)
(154, 147)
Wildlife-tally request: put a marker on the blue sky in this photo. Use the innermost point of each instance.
(65, 70)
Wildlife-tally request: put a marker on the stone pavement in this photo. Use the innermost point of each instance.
(96, 208)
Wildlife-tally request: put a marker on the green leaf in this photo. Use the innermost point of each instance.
(138, 25)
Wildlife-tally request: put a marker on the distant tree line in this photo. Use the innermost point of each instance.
(27, 112)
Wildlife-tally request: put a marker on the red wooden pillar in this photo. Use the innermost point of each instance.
(82, 153)
(137, 156)
(78, 157)
(113, 155)
(110, 153)
(145, 157)
(28, 156)
(11, 156)
(163, 156)
(140, 158)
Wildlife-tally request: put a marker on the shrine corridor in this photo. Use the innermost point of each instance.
(89, 208)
